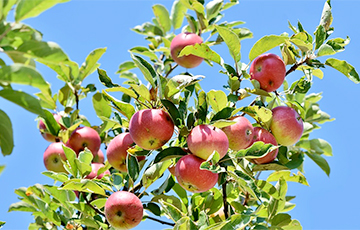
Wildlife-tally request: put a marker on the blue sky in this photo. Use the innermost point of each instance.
(80, 26)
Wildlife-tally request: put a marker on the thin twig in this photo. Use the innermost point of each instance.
(226, 205)
(95, 209)
(160, 221)
(296, 65)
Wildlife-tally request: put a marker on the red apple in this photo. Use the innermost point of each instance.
(286, 125)
(191, 177)
(151, 128)
(178, 43)
(261, 134)
(116, 151)
(84, 137)
(123, 210)
(269, 70)
(94, 172)
(203, 140)
(53, 157)
(240, 134)
(45, 133)
(99, 157)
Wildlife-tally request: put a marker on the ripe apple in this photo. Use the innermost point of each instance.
(261, 134)
(99, 157)
(269, 70)
(53, 156)
(178, 43)
(45, 133)
(240, 134)
(123, 210)
(94, 172)
(84, 137)
(203, 140)
(151, 128)
(116, 151)
(286, 125)
(191, 177)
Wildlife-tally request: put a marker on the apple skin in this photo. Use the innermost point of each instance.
(261, 134)
(240, 134)
(99, 157)
(116, 151)
(286, 125)
(123, 210)
(53, 156)
(83, 137)
(151, 128)
(269, 70)
(191, 177)
(95, 168)
(45, 133)
(178, 43)
(204, 139)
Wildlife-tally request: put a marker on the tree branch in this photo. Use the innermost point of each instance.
(95, 209)
(226, 205)
(160, 221)
(296, 65)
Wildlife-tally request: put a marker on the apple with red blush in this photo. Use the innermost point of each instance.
(240, 134)
(53, 157)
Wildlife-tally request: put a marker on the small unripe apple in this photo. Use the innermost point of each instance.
(261, 134)
(84, 137)
(191, 177)
(178, 43)
(123, 210)
(151, 128)
(203, 140)
(53, 157)
(99, 157)
(45, 133)
(116, 151)
(240, 134)
(269, 70)
(95, 168)
(286, 125)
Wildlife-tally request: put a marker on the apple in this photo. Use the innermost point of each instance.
(94, 172)
(191, 177)
(45, 133)
(204, 139)
(99, 157)
(269, 70)
(286, 125)
(116, 151)
(240, 134)
(178, 43)
(53, 157)
(151, 128)
(123, 210)
(261, 134)
(83, 137)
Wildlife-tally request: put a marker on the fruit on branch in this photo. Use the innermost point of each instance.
(94, 172)
(116, 151)
(45, 132)
(240, 134)
(286, 125)
(123, 210)
(191, 177)
(261, 134)
(269, 70)
(99, 157)
(178, 43)
(84, 137)
(204, 139)
(151, 128)
(53, 157)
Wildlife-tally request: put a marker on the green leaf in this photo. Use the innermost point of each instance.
(62, 177)
(320, 161)
(104, 79)
(260, 114)
(23, 99)
(24, 75)
(320, 36)
(280, 220)
(173, 111)
(318, 145)
(213, 8)
(268, 188)
(71, 156)
(6, 7)
(169, 153)
(326, 16)
(22, 206)
(185, 223)
(162, 16)
(266, 43)
(153, 207)
(146, 68)
(345, 68)
(173, 212)
(154, 172)
(217, 99)
(144, 51)
(51, 124)
(177, 14)
(99, 203)
(170, 199)
(101, 105)
(90, 64)
(201, 50)
(256, 150)
(83, 185)
(133, 167)
(142, 91)
(6, 134)
(2, 223)
(288, 176)
(27, 9)
(83, 162)
(231, 40)
(124, 108)
(222, 123)
(2, 167)
(124, 90)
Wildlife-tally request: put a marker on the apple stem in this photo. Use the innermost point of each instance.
(160, 221)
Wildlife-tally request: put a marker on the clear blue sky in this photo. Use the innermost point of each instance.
(80, 26)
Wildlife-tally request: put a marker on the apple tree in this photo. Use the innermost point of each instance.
(220, 159)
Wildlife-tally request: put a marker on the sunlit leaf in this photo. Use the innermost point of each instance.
(23, 99)
(202, 50)
(345, 68)
(162, 16)
(101, 105)
(6, 134)
(27, 9)
(231, 40)
(177, 13)
(265, 44)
